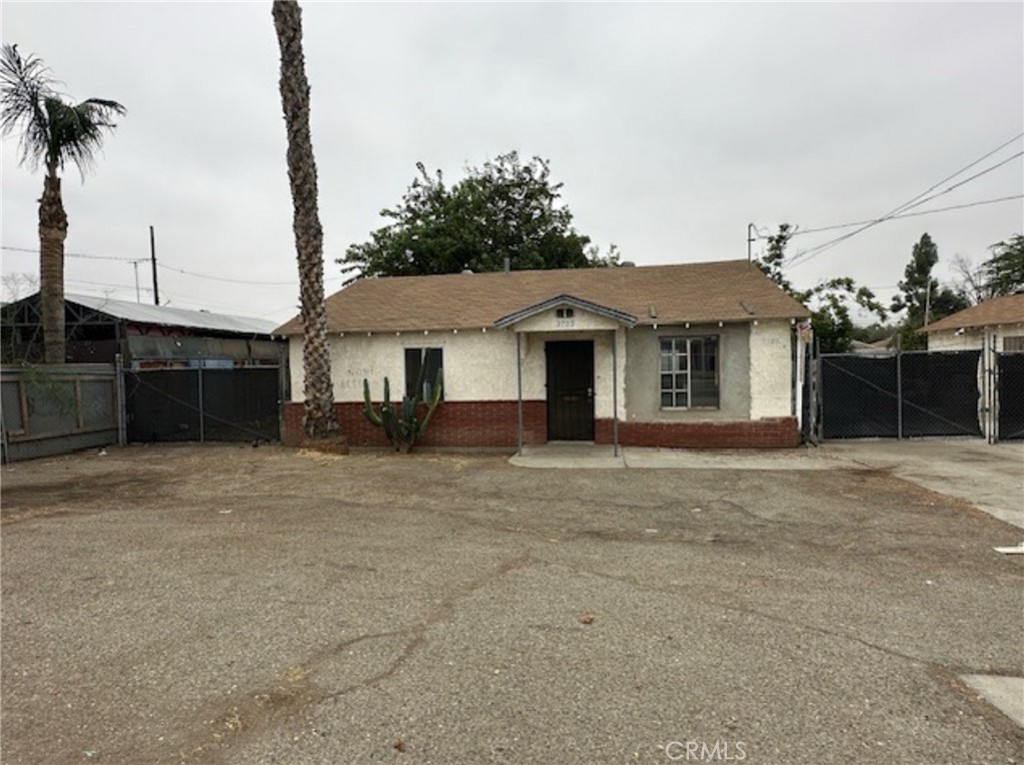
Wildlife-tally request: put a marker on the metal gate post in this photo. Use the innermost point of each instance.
(994, 385)
(122, 404)
(820, 397)
(899, 388)
(202, 425)
(986, 389)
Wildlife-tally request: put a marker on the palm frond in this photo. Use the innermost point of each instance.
(52, 129)
(25, 83)
(76, 131)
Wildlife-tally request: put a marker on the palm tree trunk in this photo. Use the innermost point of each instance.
(318, 418)
(53, 230)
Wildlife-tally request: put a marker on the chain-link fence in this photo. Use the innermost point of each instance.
(203, 404)
(1011, 395)
(49, 410)
(902, 395)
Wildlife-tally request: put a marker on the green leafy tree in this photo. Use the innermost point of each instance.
(53, 132)
(318, 414)
(506, 209)
(773, 262)
(1003, 273)
(922, 299)
(830, 302)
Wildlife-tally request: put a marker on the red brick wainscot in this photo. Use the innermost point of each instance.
(769, 433)
(493, 424)
(454, 424)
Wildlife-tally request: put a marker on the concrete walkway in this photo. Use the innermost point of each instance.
(990, 477)
(591, 456)
(1004, 693)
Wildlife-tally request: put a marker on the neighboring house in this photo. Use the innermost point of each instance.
(1000, 318)
(688, 355)
(877, 348)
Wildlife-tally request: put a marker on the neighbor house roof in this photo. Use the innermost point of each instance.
(1008, 309)
(729, 291)
(173, 317)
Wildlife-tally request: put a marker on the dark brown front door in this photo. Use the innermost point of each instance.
(570, 376)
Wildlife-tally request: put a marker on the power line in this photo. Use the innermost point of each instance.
(35, 251)
(817, 250)
(108, 285)
(911, 214)
(913, 201)
(229, 280)
(224, 278)
(186, 272)
(962, 170)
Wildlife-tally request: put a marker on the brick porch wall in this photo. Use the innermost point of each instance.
(455, 423)
(493, 424)
(774, 433)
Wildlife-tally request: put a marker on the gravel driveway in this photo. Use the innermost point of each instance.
(243, 606)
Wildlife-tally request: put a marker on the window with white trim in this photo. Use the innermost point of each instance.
(689, 372)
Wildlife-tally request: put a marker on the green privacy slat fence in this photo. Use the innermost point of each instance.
(49, 410)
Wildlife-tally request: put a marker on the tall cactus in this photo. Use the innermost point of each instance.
(402, 424)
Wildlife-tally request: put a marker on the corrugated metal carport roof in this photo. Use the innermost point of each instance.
(173, 317)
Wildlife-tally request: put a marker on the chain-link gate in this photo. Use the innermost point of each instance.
(203, 404)
(901, 395)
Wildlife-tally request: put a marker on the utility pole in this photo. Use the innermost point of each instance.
(152, 256)
(138, 297)
(750, 241)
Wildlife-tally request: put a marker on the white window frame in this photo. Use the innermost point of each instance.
(676, 355)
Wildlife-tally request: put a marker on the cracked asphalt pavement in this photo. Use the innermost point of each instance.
(236, 606)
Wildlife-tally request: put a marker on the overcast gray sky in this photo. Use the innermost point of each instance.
(672, 127)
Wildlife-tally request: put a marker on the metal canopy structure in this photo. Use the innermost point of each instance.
(97, 327)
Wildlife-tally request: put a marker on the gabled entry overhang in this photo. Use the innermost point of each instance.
(565, 301)
(559, 314)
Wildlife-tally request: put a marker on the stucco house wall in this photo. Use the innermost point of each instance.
(643, 395)
(771, 369)
(481, 389)
(972, 339)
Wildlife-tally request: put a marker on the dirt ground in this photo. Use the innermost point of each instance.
(233, 605)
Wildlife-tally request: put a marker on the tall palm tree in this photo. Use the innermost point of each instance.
(318, 418)
(53, 133)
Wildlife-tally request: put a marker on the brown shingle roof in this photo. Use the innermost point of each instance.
(1008, 309)
(695, 292)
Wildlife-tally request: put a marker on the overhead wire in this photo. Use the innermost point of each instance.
(35, 251)
(980, 202)
(919, 199)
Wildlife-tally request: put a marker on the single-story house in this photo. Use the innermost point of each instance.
(1000, 318)
(690, 355)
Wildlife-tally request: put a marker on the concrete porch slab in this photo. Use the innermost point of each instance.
(601, 456)
(567, 455)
